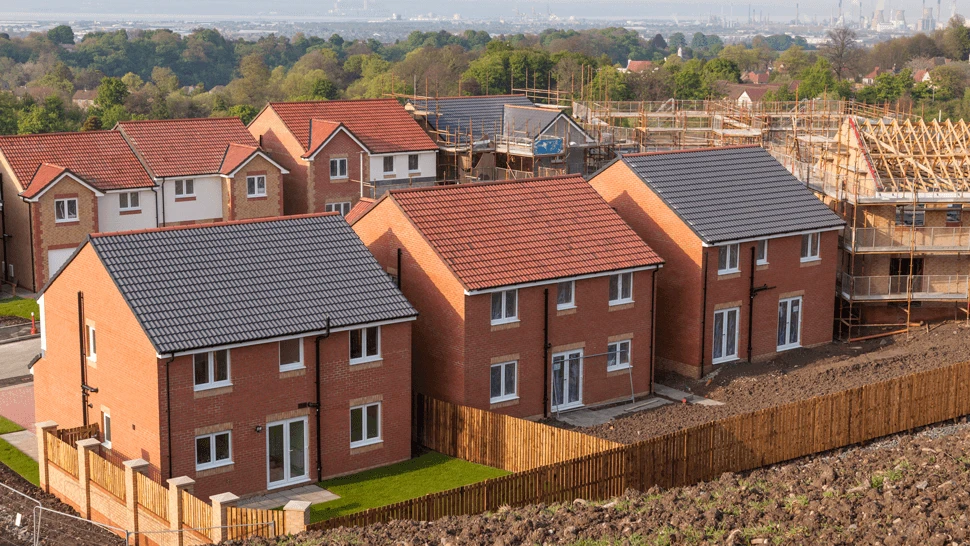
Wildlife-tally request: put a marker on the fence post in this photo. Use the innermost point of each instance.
(175, 488)
(296, 516)
(42, 429)
(219, 504)
(132, 467)
(84, 474)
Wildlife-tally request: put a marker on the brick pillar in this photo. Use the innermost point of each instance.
(84, 474)
(41, 429)
(132, 467)
(296, 516)
(175, 488)
(219, 504)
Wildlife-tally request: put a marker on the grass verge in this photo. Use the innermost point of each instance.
(20, 463)
(7, 426)
(428, 473)
(19, 307)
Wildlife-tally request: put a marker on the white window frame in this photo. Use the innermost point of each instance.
(737, 335)
(788, 345)
(505, 317)
(614, 348)
(571, 304)
(343, 207)
(814, 246)
(213, 463)
(505, 396)
(187, 186)
(365, 441)
(732, 262)
(623, 281)
(417, 161)
(106, 427)
(125, 199)
(212, 383)
(299, 365)
(67, 210)
(364, 357)
(91, 337)
(256, 179)
(761, 252)
(385, 158)
(338, 162)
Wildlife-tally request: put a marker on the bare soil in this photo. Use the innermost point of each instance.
(906, 489)
(794, 375)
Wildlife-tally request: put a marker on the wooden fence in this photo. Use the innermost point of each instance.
(196, 514)
(72, 435)
(108, 476)
(498, 440)
(249, 522)
(152, 496)
(61, 454)
(735, 444)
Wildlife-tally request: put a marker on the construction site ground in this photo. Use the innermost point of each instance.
(794, 375)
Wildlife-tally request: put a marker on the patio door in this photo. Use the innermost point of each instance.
(789, 323)
(287, 457)
(567, 380)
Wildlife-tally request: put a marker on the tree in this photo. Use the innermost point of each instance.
(61, 34)
(8, 113)
(44, 117)
(840, 49)
(816, 79)
(956, 39)
(658, 42)
(244, 111)
(676, 40)
(111, 92)
(793, 60)
(721, 69)
(93, 123)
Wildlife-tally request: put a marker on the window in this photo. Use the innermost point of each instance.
(184, 188)
(389, 164)
(810, 245)
(211, 370)
(789, 323)
(907, 215)
(565, 296)
(365, 425)
(365, 344)
(291, 354)
(106, 428)
(954, 213)
(761, 252)
(92, 343)
(621, 288)
(505, 306)
(338, 168)
(618, 355)
(213, 450)
(65, 210)
(727, 259)
(502, 382)
(128, 201)
(342, 208)
(726, 335)
(413, 162)
(256, 186)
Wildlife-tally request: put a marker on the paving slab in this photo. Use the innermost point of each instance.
(17, 404)
(310, 493)
(678, 395)
(23, 440)
(588, 417)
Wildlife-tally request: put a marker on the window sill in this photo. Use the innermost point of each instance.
(565, 307)
(367, 360)
(256, 197)
(215, 466)
(810, 263)
(564, 312)
(725, 360)
(292, 367)
(723, 272)
(128, 212)
(621, 368)
(812, 259)
(67, 222)
(760, 263)
(499, 322)
(279, 485)
(185, 198)
(505, 404)
(365, 443)
(620, 306)
(784, 348)
(503, 399)
(212, 391)
(499, 326)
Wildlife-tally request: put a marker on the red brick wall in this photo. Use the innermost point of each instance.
(323, 190)
(18, 227)
(239, 206)
(283, 147)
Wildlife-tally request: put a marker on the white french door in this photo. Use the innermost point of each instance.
(567, 380)
(726, 335)
(789, 323)
(287, 456)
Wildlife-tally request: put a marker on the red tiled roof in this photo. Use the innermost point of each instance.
(236, 155)
(320, 131)
(45, 174)
(383, 125)
(505, 233)
(184, 147)
(359, 209)
(638, 66)
(101, 158)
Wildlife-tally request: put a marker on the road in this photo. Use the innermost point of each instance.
(14, 357)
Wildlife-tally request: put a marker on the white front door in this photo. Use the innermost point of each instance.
(789, 323)
(726, 335)
(567, 380)
(287, 456)
(56, 258)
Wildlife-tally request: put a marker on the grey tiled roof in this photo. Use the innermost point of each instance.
(203, 287)
(531, 121)
(726, 194)
(456, 114)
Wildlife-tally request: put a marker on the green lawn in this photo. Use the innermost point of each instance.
(19, 307)
(429, 473)
(6, 426)
(18, 462)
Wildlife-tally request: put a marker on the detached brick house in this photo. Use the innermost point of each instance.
(338, 151)
(57, 188)
(206, 169)
(247, 355)
(534, 295)
(751, 253)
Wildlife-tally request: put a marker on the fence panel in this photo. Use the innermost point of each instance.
(152, 496)
(250, 522)
(108, 476)
(61, 454)
(196, 514)
(70, 436)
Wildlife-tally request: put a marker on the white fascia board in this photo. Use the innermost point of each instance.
(560, 279)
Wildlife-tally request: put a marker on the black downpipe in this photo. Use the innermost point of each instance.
(751, 295)
(545, 353)
(317, 341)
(168, 411)
(399, 269)
(703, 309)
(84, 373)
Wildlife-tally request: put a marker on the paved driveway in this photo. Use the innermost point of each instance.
(14, 357)
(17, 404)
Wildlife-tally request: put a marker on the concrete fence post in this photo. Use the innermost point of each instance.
(41, 429)
(220, 503)
(84, 474)
(175, 488)
(132, 467)
(296, 516)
